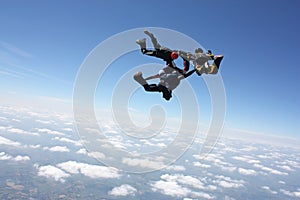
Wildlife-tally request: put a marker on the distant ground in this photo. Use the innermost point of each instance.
(41, 158)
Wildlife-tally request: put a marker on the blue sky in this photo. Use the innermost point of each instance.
(43, 44)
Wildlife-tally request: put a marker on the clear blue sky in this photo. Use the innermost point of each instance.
(43, 43)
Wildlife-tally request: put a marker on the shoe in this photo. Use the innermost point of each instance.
(138, 77)
(148, 33)
(142, 43)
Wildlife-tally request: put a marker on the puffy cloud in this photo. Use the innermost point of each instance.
(179, 185)
(146, 163)
(20, 131)
(291, 194)
(249, 148)
(170, 188)
(63, 139)
(97, 155)
(267, 188)
(270, 170)
(198, 164)
(21, 158)
(50, 171)
(246, 159)
(57, 149)
(172, 185)
(228, 182)
(5, 141)
(123, 190)
(247, 171)
(44, 121)
(48, 131)
(4, 156)
(18, 158)
(82, 151)
(175, 168)
(33, 146)
(185, 180)
(228, 168)
(92, 171)
(285, 167)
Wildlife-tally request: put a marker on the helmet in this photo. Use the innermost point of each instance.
(174, 55)
(199, 50)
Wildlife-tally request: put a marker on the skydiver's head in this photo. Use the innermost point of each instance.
(199, 50)
(174, 55)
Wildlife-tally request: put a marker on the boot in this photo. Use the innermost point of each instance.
(142, 43)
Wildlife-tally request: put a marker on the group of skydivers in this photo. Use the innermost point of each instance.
(170, 76)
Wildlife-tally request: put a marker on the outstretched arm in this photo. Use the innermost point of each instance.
(186, 65)
(189, 73)
(152, 77)
(187, 55)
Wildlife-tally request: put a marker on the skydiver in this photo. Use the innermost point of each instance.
(201, 61)
(164, 53)
(169, 80)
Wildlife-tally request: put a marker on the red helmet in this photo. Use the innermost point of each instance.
(174, 55)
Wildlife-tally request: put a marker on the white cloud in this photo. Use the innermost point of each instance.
(92, 171)
(146, 163)
(123, 190)
(291, 163)
(50, 171)
(57, 149)
(249, 148)
(228, 168)
(4, 156)
(246, 159)
(63, 139)
(68, 129)
(198, 164)
(97, 155)
(247, 171)
(20, 131)
(267, 188)
(285, 167)
(291, 194)
(263, 156)
(21, 158)
(228, 182)
(48, 131)
(171, 185)
(270, 170)
(18, 158)
(176, 168)
(185, 180)
(170, 188)
(44, 121)
(5, 141)
(82, 151)
(34, 146)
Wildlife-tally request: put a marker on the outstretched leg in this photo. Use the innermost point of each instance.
(153, 40)
(214, 68)
(167, 94)
(142, 43)
(217, 60)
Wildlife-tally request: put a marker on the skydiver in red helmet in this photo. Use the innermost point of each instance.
(164, 53)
